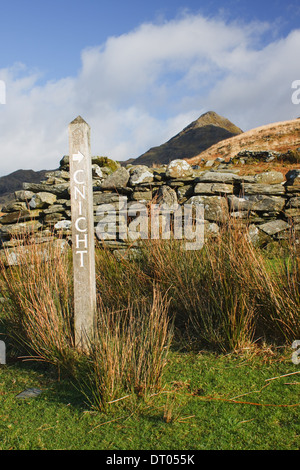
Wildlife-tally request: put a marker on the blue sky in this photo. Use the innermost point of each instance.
(139, 72)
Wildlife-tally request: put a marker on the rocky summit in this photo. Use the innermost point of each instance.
(198, 136)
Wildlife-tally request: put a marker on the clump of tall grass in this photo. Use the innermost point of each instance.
(207, 289)
(129, 353)
(39, 301)
(278, 293)
(226, 295)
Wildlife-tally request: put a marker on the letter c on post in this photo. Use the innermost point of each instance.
(77, 225)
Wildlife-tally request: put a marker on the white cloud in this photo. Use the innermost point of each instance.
(139, 89)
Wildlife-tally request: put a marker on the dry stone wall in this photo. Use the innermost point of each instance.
(270, 201)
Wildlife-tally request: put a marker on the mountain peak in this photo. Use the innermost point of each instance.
(211, 118)
(207, 130)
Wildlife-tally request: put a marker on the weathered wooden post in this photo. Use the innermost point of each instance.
(83, 241)
(2, 352)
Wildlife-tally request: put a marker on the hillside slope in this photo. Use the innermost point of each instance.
(193, 139)
(279, 137)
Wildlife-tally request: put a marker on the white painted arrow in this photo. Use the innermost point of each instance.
(77, 157)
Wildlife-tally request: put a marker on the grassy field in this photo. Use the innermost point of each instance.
(192, 350)
(207, 402)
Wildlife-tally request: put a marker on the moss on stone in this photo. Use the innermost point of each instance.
(106, 162)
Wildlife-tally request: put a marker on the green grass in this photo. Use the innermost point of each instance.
(185, 345)
(194, 410)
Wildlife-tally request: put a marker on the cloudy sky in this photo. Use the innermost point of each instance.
(138, 72)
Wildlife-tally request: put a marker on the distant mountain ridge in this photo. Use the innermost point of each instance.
(14, 182)
(198, 136)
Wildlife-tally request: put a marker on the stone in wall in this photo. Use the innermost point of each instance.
(116, 180)
(140, 174)
(215, 207)
(213, 188)
(166, 195)
(256, 202)
(178, 169)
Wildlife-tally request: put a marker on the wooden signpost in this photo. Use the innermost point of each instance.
(2, 353)
(83, 241)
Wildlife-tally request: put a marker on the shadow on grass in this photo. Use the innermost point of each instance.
(57, 386)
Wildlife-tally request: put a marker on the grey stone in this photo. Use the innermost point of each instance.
(215, 207)
(142, 196)
(96, 171)
(51, 219)
(294, 212)
(14, 206)
(275, 226)
(16, 256)
(14, 217)
(240, 214)
(166, 195)
(116, 206)
(105, 198)
(203, 188)
(58, 174)
(294, 202)
(42, 199)
(54, 181)
(256, 202)
(63, 202)
(218, 177)
(9, 257)
(213, 188)
(12, 243)
(118, 179)
(140, 174)
(64, 162)
(59, 189)
(185, 191)
(257, 237)
(23, 195)
(211, 228)
(29, 393)
(269, 177)
(222, 188)
(63, 225)
(19, 228)
(260, 188)
(179, 169)
(175, 183)
(54, 208)
(210, 163)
